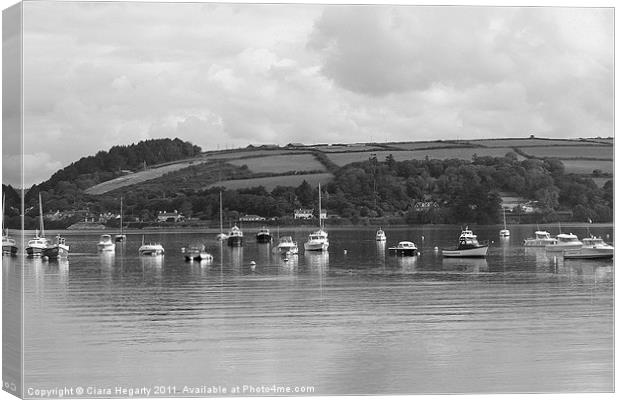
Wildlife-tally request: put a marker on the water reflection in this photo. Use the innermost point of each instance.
(236, 257)
(380, 250)
(317, 261)
(264, 253)
(465, 265)
(152, 262)
(407, 264)
(106, 259)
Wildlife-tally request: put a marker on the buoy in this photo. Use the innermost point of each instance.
(182, 249)
(345, 251)
(422, 237)
(252, 262)
(436, 248)
(418, 253)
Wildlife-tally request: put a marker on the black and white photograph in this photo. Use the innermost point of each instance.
(216, 199)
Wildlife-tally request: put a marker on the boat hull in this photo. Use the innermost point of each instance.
(589, 254)
(56, 251)
(106, 247)
(263, 238)
(312, 246)
(403, 252)
(539, 242)
(9, 249)
(235, 241)
(504, 233)
(151, 253)
(563, 247)
(120, 238)
(33, 251)
(477, 252)
(198, 256)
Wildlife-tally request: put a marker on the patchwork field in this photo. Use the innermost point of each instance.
(587, 166)
(281, 164)
(467, 153)
(271, 182)
(422, 145)
(525, 142)
(586, 151)
(342, 147)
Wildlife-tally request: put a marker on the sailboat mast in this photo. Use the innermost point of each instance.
(121, 215)
(320, 219)
(41, 216)
(3, 198)
(221, 221)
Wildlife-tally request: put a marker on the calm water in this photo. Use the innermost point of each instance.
(354, 323)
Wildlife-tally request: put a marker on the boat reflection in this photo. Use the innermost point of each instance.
(407, 263)
(380, 245)
(263, 253)
(152, 262)
(106, 259)
(465, 265)
(317, 261)
(236, 257)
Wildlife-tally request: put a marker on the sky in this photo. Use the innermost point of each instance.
(101, 74)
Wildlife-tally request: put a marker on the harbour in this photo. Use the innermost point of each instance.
(359, 322)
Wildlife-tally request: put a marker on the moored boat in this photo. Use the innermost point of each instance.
(540, 239)
(235, 237)
(565, 241)
(38, 244)
(468, 246)
(404, 248)
(504, 232)
(59, 249)
(121, 237)
(317, 240)
(286, 246)
(593, 248)
(197, 253)
(221, 236)
(380, 236)
(9, 246)
(263, 236)
(106, 244)
(150, 249)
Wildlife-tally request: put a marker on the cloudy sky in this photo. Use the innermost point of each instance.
(227, 75)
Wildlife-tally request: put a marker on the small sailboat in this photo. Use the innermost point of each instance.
(317, 240)
(404, 248)
(468, 246)
(235, 237)
(8, 244)
(151, 249)
(39, 243)
(380, 235)
(263, 236)
(121, 237)
(221, 236)
(106, 244)
(504, 232)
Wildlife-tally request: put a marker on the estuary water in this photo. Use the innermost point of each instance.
(354, 322)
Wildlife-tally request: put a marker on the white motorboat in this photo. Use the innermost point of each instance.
(235, 237)
(197, 253)
(540, 239)
(565, 241)
(593, 248)
(286, 246)
(106, 244)
(150, 249)
(317, 240)
(380, 236)
(468, 246)
(404, 248)
(504, 232)
(59, 249)
(8, 243)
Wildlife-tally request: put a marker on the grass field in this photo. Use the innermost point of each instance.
(422, 145)
(271, 182)
(526, 142)
(587, 166)
(466, 153)
(342, 147)
(281, 164)
(586, 151)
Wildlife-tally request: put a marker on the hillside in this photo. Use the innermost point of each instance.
(189, 180)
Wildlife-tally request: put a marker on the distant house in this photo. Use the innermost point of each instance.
(164, 216)
(252, 218)
(308, 213)
(425, 205)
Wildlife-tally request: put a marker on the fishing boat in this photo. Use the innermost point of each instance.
(286, 246)
(565, 241)
(504, 232)
(150, 249)
(39, 243)
(404, 248)
(380, 236)
(468, 246)
(197, 253)
(593, 248)
(106, 244)
(317, 240)
(540, 239)
(59, 249)
(235, 237)
(8, 244)
(221, 236)
(263, 236)
(121, 237)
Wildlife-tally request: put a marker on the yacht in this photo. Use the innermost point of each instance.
(317, 240)
(151, 249)
(235, 237)
(404, 248)
(380, 236)
(59, 249)
(106, 244)
(468, 246)
(565, 241)
(593, 248)
(540, 239)
(263, 236)
(38, 244)
(286, 246)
